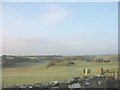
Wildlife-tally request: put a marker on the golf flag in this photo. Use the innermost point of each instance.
(87, 71)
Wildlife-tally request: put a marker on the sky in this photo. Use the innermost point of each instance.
(64, 28)
(60, 0)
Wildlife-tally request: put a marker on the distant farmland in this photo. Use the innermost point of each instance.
(33, 73)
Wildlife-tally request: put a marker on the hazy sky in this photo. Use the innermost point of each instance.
(60, 28)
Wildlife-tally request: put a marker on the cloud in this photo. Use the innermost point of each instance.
(30, 46)
(14, 45)
(37, 46)
(54, 16)
(54, 13)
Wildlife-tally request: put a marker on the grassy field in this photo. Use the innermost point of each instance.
(39, 72)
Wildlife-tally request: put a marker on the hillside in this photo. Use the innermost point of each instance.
(11, 61)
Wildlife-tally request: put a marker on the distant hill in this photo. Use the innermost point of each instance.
(112, 57)
(9, 60)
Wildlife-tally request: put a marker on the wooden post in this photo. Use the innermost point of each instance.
(102, 71)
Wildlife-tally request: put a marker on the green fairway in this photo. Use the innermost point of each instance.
(39, 72)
